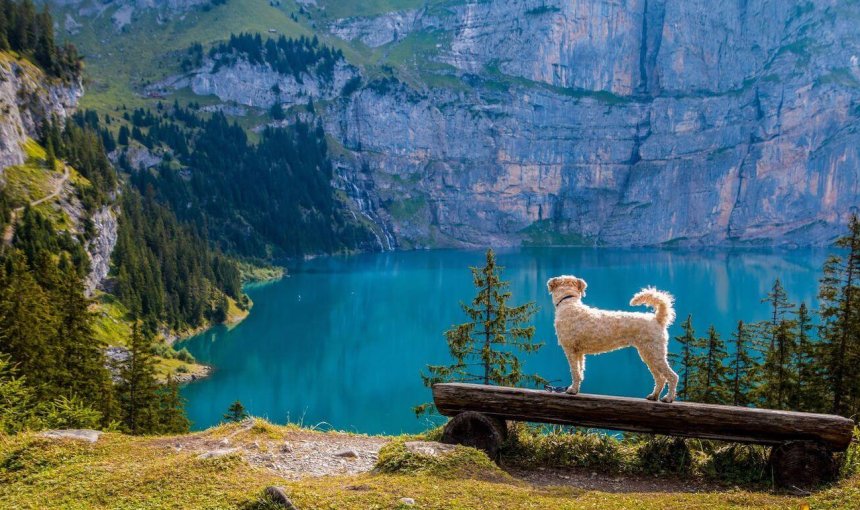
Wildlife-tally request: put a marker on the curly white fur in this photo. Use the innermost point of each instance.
(584, 330)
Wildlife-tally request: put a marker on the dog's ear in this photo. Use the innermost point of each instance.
(581, 285)
(551, 284)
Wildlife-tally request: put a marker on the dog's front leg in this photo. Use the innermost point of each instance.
(576, 362)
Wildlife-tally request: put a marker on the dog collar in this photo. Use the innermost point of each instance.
(560, 301)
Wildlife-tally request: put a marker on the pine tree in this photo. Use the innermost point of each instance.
(137, 390)
(27, 323)
(810, 384)
(4, 26)
(236, 412)
(742, 367)
(122, 139)
(485, 348)
(713, 373)
(50, 155)
(839, 295)
(83, 358)
(777, 298)
(171, 409)
(687, 359)
(46, 51)
(778, 345)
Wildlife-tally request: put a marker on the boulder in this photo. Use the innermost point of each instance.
(220, 452)
(88, 435)
(278, 495)
(428, 448)
(347, 453)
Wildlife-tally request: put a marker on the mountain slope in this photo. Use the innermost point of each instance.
(547, 121)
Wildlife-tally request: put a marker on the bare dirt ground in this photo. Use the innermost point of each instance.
(590, 480)
(299, 454)
(305, 453)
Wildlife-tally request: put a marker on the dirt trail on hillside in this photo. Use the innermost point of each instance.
(58, 188)
(9, 231)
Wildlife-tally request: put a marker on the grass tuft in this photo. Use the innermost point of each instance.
(461, 462)
(562, 447)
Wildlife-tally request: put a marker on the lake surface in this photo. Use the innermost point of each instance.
(342, 340)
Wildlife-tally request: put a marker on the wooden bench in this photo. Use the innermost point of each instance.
(803, 443)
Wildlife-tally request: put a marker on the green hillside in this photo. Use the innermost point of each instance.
(229, 466)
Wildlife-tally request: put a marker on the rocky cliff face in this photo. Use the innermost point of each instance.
(27, 98)
(637, 122)
(260, 86)
(630, 122)
(126, 11)
(101, 246)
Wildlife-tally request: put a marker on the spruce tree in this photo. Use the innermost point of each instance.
(810, 384)
(742, 367)
(485, 349)
(171, 409)
(83, 356)
(686, 361)
(123, 135)
(4, 26)
(137, 390)
(777, 298)
(27, 323)
(839, 295)
(713, 373)
(778, 348)
(236, 412)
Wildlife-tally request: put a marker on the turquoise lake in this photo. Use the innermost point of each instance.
(342, 340)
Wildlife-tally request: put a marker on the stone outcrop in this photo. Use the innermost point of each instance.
(86, 435)
(381, 30)
(100, 247)
(27, 99)
(260, 86)
(125, 12)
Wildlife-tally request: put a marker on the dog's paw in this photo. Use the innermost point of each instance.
(667, 400)
(571, 390)
(652, 398)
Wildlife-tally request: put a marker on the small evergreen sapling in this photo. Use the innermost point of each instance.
(485, 349)
(236, 412)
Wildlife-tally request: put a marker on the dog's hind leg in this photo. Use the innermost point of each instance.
(662, 366)
(673, 384)
(577, 370)
(654, 368)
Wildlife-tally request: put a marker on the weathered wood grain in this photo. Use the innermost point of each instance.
(687, 419)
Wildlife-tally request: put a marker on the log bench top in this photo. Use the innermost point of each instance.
(687, 419)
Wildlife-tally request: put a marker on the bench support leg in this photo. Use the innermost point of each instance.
(802, 464)
(477, 430)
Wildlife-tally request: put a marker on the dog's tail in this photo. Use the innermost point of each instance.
(660, 301)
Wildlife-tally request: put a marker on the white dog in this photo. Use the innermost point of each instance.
(584, 330)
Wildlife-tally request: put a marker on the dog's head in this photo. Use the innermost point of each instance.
(561, 286)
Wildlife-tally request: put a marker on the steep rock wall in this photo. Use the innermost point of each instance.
(624, 123)
(27, 98)
(616, 122)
